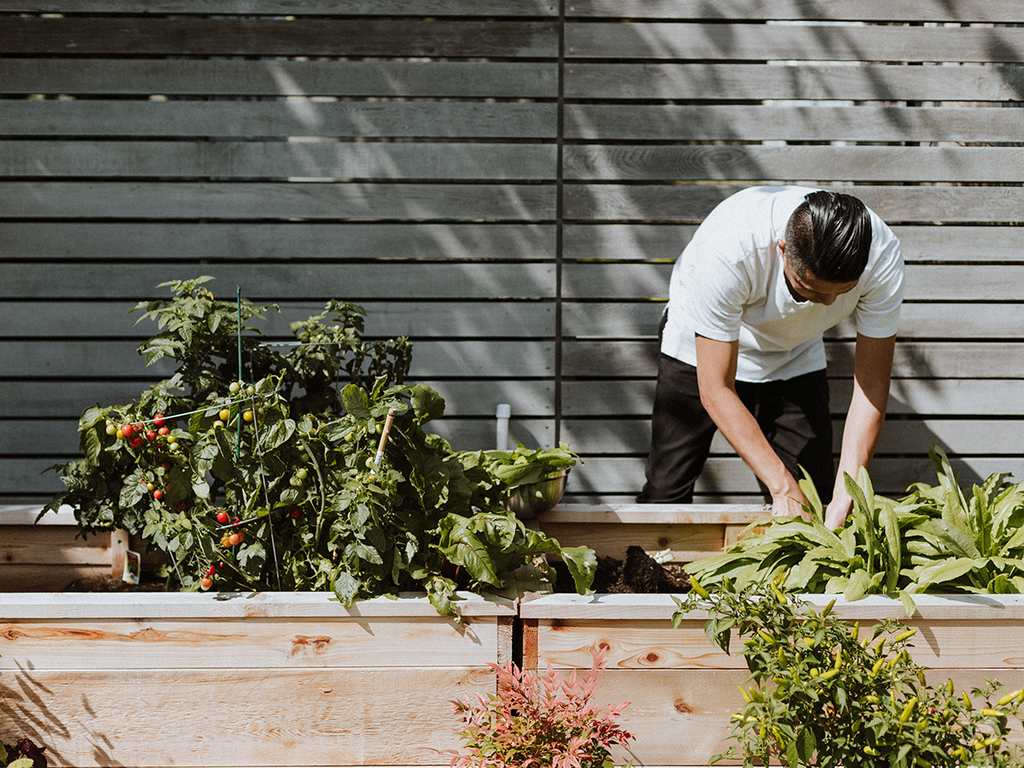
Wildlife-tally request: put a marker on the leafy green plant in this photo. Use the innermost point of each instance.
(935, 538)
(24, 754)
(523, 466)
(247, 484)
(542, 721)
(823, 696)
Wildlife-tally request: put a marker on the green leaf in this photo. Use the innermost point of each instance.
(357, 402)
(805, 744)
(427, 404)
(345, 587)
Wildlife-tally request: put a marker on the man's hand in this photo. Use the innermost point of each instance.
(837, 510)
(789, 504)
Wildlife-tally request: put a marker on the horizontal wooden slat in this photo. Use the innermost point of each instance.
(61, 398)
(267, 36)
(90, 606)
(227, 241)
(691, 203)
(921, 397)
(289, 116)
(826, 163)
(279, 78)
(754, 81)
(918, 320)
(287, 7)
(643, 645)
(925, 282)
(59, 437)
(51, 545)
(945, 360)
(790, 42)
(417, 319)
(649, 242)
(308, 161)
(271, 282)
(888, 475)
(241, 717)
(977, 436)
(283, 644)
(834, 10)
(254, 200)
(804, 122)
(508, 359)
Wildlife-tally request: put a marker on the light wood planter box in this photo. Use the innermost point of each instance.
(683, 690)
(258, 679)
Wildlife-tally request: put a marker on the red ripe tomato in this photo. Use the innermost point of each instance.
(150, 434)
(206, 582)
(235, 539)
(296, 513)
(127, 430)
(211, 569)
(164, 431)
(158, 419)
(158, 494)
(136, 441)
(222, 516)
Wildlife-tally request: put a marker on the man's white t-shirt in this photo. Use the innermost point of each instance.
(728, 285)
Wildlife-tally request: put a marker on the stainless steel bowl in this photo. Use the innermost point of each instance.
(537, 498)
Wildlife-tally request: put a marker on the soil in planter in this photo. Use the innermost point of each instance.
(638, 573)
(147, 583)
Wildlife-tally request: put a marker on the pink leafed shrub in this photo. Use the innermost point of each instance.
(539, 722)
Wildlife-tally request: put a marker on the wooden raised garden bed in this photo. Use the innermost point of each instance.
(149, 679)
(264, 679)
(683, 690)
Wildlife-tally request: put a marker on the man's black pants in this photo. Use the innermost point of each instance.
(793, 414)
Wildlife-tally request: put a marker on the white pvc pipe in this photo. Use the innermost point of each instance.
(504, 413)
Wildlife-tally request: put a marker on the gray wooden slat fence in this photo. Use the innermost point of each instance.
(508, 182)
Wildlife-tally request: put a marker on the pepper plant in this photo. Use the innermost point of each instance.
(270, 480)
(822, 695)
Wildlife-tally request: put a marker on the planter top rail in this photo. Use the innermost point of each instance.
(680, 514)
(236, 605)
(872, 607)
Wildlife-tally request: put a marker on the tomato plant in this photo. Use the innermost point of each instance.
(420, 520)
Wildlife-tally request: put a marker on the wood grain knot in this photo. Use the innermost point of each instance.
(651, 657)
(682, 707)
(317, 644)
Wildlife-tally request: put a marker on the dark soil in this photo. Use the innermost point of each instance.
(638, 573)
(147, 583)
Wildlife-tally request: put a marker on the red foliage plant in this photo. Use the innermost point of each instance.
(538, 722)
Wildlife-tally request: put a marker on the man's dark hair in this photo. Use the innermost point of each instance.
(829, 235)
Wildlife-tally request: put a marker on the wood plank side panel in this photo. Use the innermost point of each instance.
(801, 10)
(247, 717)
(151, 643)
(810, 42)
(280, 37)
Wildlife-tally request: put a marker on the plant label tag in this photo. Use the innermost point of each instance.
(132, 567)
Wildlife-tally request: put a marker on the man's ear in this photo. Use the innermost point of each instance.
(782, 246)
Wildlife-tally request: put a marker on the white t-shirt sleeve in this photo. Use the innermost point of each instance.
(878, 310)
